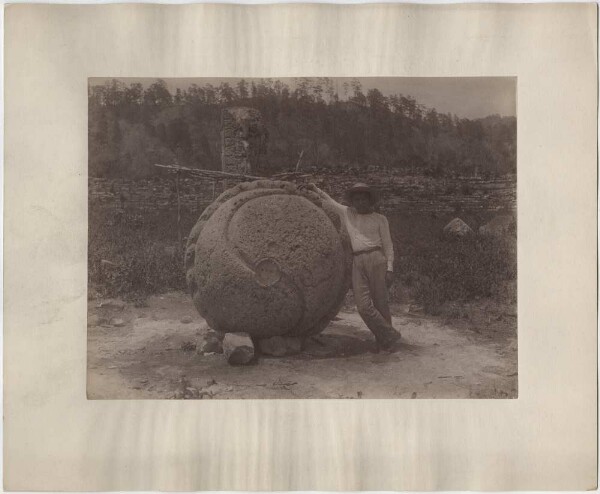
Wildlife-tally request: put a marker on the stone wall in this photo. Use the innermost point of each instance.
(398, 193)
(154, 194)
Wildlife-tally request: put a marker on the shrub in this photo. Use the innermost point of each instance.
(458, 269)
(135, 254)
(131, 259)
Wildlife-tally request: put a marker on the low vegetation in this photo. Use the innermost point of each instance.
(342, 131)
(136, 254)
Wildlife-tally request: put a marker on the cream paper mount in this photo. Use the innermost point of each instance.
(55, 439)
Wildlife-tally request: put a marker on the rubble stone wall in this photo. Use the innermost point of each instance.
(398, 193)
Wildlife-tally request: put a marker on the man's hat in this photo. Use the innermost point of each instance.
(360, 187)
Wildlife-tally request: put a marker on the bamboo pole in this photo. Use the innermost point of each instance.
(208, 173)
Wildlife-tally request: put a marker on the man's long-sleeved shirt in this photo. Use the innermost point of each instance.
(366, 231)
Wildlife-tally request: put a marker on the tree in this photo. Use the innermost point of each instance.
(242, 88)
(358, 97)
(226, 93)
(157, 95)
(179, 96)
(376, 100)
(133, 125)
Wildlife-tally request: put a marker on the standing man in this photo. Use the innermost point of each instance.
(373, 263)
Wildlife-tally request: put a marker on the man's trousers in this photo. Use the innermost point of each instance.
(371, 294)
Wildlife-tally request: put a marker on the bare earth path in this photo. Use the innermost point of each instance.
(151, 356)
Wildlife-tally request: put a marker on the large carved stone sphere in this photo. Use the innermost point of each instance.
(268, 259)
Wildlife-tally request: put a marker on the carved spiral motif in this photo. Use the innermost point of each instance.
(268, 259)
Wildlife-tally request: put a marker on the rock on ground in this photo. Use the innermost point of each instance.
(210, 343)
(238, 348)
(457, 227)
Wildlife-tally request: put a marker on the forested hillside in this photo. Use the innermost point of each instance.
(132, 126)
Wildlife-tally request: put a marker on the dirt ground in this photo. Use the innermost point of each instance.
(148, 352)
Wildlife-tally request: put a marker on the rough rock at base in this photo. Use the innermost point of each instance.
(279, 346)
(238, 348)
(210, 343)
(457, 227)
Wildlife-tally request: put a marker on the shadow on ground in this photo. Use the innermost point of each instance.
(150, 354)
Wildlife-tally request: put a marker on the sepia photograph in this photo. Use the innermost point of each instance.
(315, 237)
(300, 247)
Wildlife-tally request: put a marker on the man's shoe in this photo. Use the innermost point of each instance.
(390, 344)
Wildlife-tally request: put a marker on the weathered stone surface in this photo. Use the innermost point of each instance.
(186, 319)
(243, 138)
(458, 228)
(279, 346)
(117, 322)
(268, 260)
(238, 348)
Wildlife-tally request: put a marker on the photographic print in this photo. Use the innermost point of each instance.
(360, 256)
(335, 238)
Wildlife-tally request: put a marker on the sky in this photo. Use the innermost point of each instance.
(467, 97)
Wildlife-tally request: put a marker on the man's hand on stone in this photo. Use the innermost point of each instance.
(312, 187)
